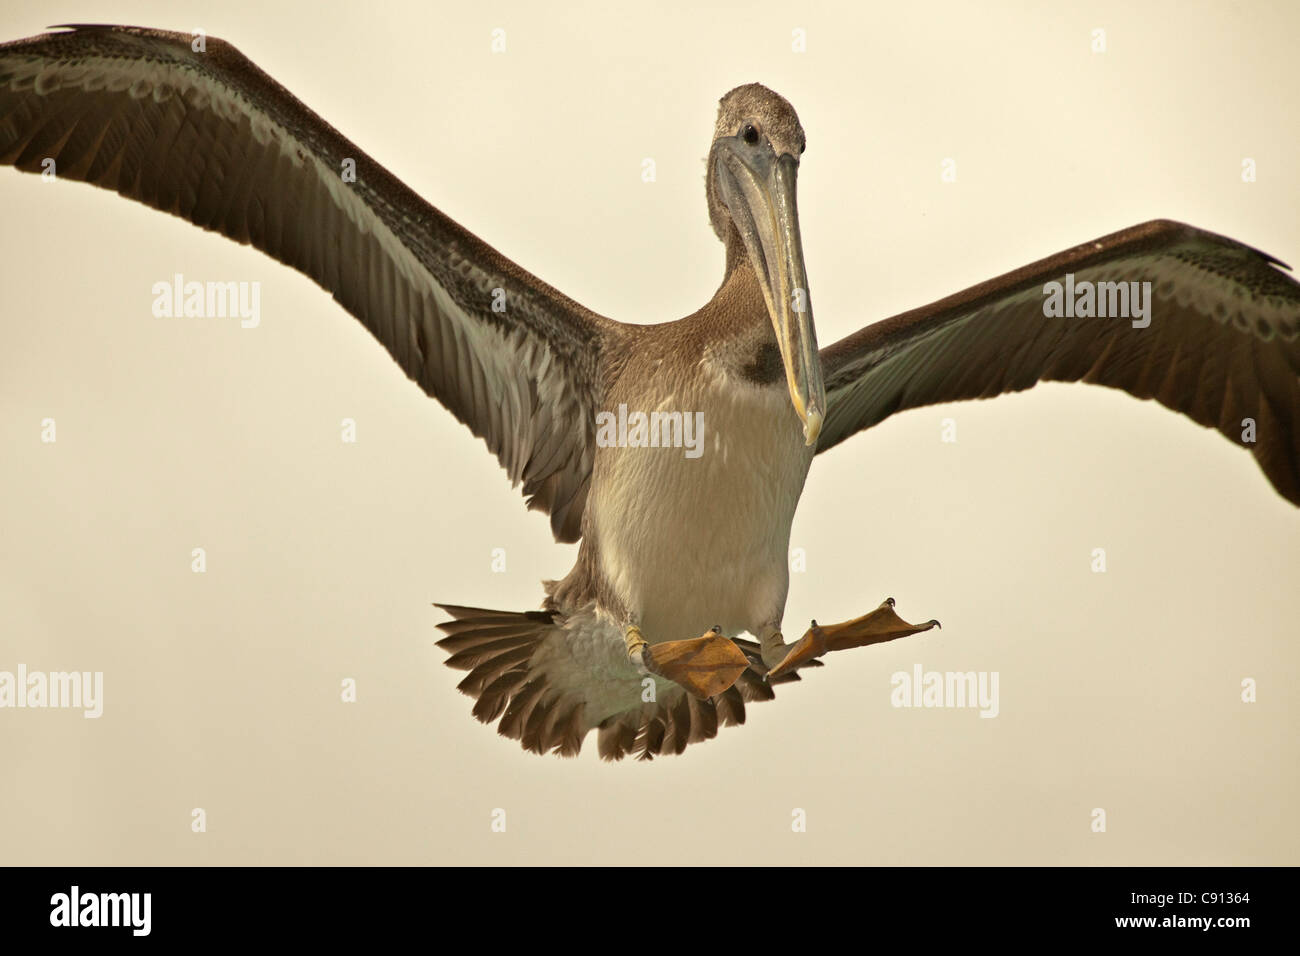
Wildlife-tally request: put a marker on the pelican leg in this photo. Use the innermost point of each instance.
(772, 645)
(703, 666)
(875, 627)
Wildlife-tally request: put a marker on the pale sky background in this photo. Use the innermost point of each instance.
(1119, 691)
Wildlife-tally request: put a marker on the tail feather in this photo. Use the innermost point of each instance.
(494, 654)
(497, 648)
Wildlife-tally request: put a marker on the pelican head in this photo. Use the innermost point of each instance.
(753, 165)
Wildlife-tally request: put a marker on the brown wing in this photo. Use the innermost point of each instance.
(207, 136)
(1222, 345)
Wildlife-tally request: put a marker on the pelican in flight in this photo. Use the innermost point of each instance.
(675, 453)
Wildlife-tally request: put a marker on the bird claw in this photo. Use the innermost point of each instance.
(875, 627)
(704, 666)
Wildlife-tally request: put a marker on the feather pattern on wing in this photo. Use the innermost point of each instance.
(207, 136)
(1222, 346)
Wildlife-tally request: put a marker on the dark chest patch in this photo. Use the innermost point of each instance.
(764, 366)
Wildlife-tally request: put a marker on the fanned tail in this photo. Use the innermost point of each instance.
(497, 648)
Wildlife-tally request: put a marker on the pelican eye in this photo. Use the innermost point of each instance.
(750, 134)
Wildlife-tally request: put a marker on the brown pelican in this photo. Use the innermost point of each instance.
(680, 553)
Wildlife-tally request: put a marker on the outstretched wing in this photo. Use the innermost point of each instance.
(207, 136)
(1222, 346)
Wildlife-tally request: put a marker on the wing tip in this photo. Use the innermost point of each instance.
(1159, 226)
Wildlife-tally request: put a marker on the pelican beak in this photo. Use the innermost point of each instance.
(758, 188)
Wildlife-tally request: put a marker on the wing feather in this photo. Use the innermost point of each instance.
(1222, 346)
(207, 136)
